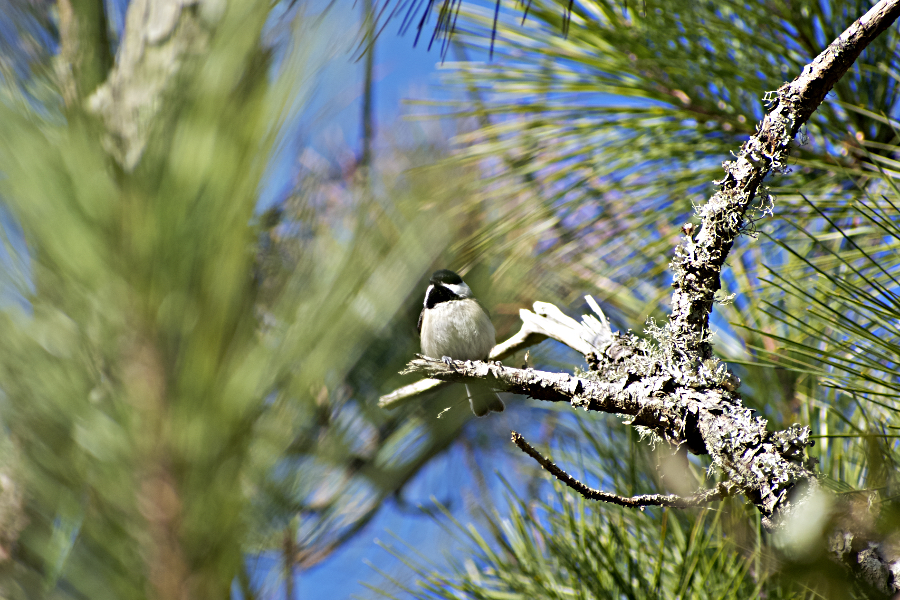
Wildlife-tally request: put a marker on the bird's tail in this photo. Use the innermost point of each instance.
(484, 401)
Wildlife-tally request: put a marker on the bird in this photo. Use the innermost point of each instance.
(454, 325)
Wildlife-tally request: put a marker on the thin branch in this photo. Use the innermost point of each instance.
(243, 580)
(722, 490)
(306, 558)
(526, 337)
(288, 551)
(541, 385)
(368, 127)
(405, 394)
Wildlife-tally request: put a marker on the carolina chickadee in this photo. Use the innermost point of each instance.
(453, 324)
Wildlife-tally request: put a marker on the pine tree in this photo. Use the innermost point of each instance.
(601, 142)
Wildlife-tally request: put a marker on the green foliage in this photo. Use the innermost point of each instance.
(185, 381)
(133, 383)
(597, 145)
(563, 549)
(345, 456)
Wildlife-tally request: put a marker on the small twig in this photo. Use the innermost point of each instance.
(525, 338)
(721, 490)
(408, 392)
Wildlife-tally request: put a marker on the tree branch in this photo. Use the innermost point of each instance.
(722, 490)
(698, 262)
(708, 419)
(526, 337)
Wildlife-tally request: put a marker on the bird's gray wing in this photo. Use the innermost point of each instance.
(419, 324)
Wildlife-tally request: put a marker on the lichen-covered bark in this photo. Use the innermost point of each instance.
(765, 466)
(697, 265)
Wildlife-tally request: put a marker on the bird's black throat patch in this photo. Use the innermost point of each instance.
(439, 293)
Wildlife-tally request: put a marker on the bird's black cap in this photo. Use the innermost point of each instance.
(446, 276)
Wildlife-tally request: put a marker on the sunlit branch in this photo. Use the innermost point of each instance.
(159, 35)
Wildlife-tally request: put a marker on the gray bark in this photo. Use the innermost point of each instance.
(159, 36)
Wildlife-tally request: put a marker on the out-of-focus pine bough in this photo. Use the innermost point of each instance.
(154, 316)
(671, 386)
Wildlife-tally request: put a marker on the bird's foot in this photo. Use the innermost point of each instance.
(447, 361)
